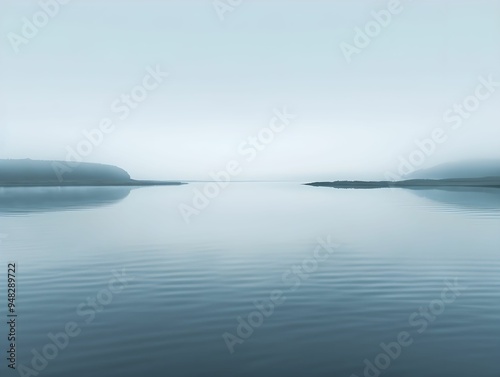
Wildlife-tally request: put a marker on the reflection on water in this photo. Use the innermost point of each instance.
(17, 200)
(192, 281)
(476, 199)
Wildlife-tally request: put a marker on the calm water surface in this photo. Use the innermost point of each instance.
(397, 251)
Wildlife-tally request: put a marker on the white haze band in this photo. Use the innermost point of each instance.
(122, 107)
(248, 149)
(454, 118)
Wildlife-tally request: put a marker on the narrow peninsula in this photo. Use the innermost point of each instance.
(488, 182)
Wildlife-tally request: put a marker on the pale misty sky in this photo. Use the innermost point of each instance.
(354, 120)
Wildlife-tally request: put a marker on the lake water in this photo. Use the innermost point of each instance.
(351, 282)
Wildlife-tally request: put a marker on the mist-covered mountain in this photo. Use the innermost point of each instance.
(460, 169)
(28, 172)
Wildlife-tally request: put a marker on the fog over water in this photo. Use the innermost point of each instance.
(226, 78)
(251, 278)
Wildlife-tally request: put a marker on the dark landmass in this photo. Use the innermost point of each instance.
(491, 182)
(33, 173)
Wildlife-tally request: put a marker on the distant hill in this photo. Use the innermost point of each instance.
(461, 169)
(28, 172)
